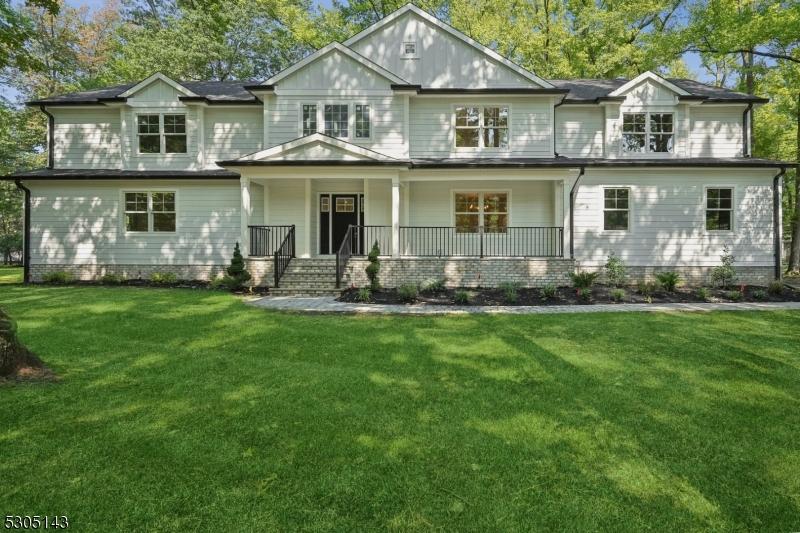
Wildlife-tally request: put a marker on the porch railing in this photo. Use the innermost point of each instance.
(364, 237)
(283, 255)
(265, 240)
(448, 241)
(343, 254)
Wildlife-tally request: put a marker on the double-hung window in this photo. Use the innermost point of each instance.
(336, 120)
(309, 119)
(481, 209)
(616, 209)
(150, 211)
(647, 132)
(481, 127)
(161, 133)
(719, 209)
(362, 121)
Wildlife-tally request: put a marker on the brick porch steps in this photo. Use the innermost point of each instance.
(308, 277)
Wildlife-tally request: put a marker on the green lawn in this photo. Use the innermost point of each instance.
(9, 274)
(188, 409)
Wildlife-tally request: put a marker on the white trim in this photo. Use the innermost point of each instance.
(452, 31)
(317, 137)
(647, 153)
(602, 227)
(480, 148)
(734, 214)
(480, 213)
(161, 134)
(648, 75)
(157, 76)
(363, 61)
(149, 191)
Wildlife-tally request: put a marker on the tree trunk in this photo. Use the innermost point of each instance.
(794, 255)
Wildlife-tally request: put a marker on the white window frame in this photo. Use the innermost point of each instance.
(480, 193)
(647, 133)
(733, 209)
(321, 124)
(149, 192)
(603, 229)
(355, 137)
(300, 132)
(162, 135)
(481, 127)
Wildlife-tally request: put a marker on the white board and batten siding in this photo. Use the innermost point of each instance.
(667, 218)
(82, 223)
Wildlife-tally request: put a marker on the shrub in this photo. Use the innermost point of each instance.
(462, 297)
(364, 294)
(548, 291)
(163, 278)
(374, 267)
(668, 280)
(646, 288)
(725, 274)
(407, 292)
(733, 296)
(775, 288)
(584, 294)
(434, 286)
(583, 280)
(617, 295)
(760, 294)
(237, 273)
(217, 283)
(58, 276)
(110, 278)
(615, 270)
(702, 294)
(510, 292)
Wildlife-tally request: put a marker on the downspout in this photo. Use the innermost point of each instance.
(747, 120)
(572, 213)
(555, 134)
(26, 239)
(51, 122)
(777, 220)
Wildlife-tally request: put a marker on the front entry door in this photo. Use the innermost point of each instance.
(336, 216)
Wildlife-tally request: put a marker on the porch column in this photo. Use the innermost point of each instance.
(307, 220)
(396, 217)
(246, 210)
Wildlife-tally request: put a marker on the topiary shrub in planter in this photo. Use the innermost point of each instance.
(237, 274)
(374, 267)
(725, 274)
(583, 280)
(615, 271)
(407, 292)
(668, 280)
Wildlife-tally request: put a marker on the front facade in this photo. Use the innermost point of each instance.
(460, 164)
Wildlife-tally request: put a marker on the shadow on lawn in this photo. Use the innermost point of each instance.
(593, 422)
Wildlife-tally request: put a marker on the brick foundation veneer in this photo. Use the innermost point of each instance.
(261, 271)
(95, 272)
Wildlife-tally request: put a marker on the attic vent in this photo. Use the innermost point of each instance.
(409, 50)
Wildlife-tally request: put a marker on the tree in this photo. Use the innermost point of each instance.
(15, 30)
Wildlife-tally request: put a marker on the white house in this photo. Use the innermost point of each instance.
(459, 163)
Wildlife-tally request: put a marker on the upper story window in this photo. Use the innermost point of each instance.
(309, 119)
(336, 120)
(616, 209)
(362, 121)
(481, 127)
(481, 209)
(161, 133)
(719, 209)
(150, 211)
(647, 132)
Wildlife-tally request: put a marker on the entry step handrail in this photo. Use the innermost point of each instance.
(265, 240)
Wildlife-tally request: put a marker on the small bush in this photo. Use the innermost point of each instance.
(646, 288)
(725, 274)
(584, 294)
(510, 292)
(110, 278)
(702, 294)
(760, 294)
(217, 283)
(364, 294)
(374, 267)
(59, 276)
(583, 280)
(462, 297)
(237, 274)
(548, 291)
(407, 292)
(668, 280)
(615, 270)
(617, 295)
(434, 286)
(775, 288)
(163, 278)
(733, 296)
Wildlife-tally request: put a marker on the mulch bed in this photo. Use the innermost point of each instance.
(601, 294)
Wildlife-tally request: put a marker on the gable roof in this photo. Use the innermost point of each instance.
(590, 90)
(156, 77)
(363, 61)
(411, 8)
(647, 76)
(271, 154)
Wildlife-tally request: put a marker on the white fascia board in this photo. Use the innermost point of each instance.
(157, 76)
(313, 138)
(652, 76)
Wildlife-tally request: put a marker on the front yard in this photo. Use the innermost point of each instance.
(186, 408)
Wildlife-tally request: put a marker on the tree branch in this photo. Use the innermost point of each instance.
(759, 53)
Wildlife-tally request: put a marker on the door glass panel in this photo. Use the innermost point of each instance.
(345, 205)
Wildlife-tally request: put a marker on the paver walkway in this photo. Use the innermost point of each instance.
(330, 305)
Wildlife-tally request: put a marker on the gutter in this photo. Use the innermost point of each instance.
(51, 124)
(747, 120)
(777, 220)
(26, 239)
(572, 213)
(555, 134)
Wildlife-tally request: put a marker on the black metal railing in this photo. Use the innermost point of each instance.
(283, 255)
(343, 254)
(364, 237)
(265, 240)
(448, 241)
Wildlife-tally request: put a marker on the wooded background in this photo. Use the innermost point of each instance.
(48, 47)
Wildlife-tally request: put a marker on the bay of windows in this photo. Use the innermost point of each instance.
(481, 209)
(150, 211)
(648, 132)
(161, 133)
(481, 127)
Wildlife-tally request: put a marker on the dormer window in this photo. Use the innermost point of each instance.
(409, 50)
(647, 132)
(161, 133)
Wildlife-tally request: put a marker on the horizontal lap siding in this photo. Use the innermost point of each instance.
(232, 133)
(433, 134)
(287, 206)
(86, 138)
(579, 131)
(81, 223)
(667, 219)
(716, 132)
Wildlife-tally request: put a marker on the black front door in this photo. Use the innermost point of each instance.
(343, 211)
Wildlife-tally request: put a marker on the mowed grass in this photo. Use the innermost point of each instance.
(189, 409)
(10, 274)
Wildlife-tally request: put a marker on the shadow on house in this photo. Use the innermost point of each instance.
(17, 363)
